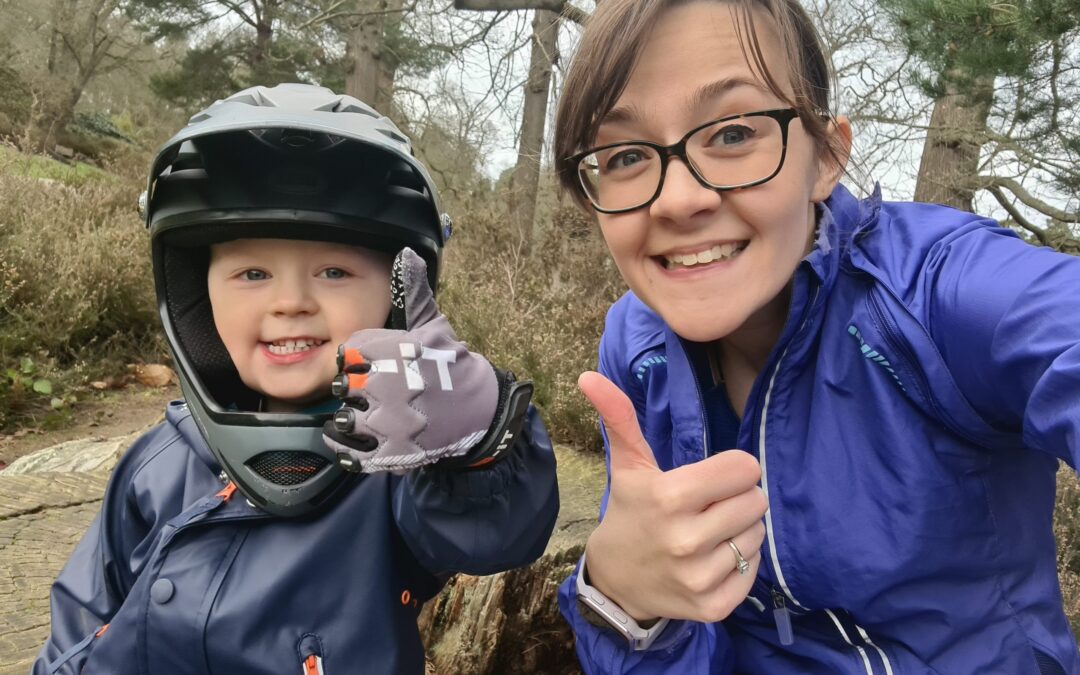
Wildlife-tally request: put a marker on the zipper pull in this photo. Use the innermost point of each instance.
(783, 618)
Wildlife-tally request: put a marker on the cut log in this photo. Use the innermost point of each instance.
(510, 622)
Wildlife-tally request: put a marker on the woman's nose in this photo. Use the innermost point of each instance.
(682, 196)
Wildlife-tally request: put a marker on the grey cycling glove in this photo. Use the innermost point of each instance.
(415, 395)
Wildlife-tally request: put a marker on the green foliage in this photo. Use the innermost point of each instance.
(76, 293)
(16, 101)
(215, 63)
(27, 393)
(98, 123)
(971, 38)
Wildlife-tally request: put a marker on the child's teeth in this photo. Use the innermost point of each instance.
(292, 346)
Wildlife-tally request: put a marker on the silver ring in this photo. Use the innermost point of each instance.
(741, 563)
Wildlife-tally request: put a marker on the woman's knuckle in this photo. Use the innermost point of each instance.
(699, 583)
(681, 544)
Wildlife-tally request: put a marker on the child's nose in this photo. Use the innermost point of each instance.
(682, 196)
(292, 299)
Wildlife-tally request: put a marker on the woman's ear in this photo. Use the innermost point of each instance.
(834, 160)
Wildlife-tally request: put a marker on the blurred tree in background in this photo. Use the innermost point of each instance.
(1004, 79)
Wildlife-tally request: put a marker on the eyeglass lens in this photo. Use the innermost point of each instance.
(725, 154)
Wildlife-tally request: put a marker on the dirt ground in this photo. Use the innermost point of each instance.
(110, 414)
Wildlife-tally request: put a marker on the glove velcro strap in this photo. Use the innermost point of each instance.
(496, 444)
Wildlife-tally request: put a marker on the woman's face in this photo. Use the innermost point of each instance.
(692, 71)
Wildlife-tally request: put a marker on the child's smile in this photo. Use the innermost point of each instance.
(281, 307)
(291, 350)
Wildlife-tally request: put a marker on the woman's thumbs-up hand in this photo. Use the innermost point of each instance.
(662, 548)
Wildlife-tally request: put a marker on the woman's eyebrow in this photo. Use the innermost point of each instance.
(703, 94)
(621, 113)
(718, 89)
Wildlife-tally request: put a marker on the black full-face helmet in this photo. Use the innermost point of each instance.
(293, 161)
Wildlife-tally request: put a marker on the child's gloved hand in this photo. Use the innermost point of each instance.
(416, 395)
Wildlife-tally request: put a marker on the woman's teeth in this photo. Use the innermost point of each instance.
(292, 346)
(714, 254)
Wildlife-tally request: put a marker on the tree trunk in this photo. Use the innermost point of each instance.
(510, 622)
(260, 56)
(525, 180)
(950, 157)
(371, 70)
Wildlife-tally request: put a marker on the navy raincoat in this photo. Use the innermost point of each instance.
(176, 576)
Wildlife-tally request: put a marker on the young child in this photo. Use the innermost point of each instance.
(265, 526)
(898, 380)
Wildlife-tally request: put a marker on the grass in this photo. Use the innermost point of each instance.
(15, 163)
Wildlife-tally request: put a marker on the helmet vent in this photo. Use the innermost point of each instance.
(343, 106)
(394, 136)
(282, 467)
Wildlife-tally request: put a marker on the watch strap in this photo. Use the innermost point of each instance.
(601, 611)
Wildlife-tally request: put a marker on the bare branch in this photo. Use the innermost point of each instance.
(990, 183)
(1015, 214)
(562, 7)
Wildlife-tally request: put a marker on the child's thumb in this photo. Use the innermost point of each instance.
(412, 302)
(626, 444)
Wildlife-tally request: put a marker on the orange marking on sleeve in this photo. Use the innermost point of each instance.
(357, 381)
(101, 631)
(227, 492)
(353, 357)
(483, 462)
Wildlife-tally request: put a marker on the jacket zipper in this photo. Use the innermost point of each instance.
(770, 535)
(783, 595)
(311, 660)
(701, 406)
(313, 665)
(782, 617)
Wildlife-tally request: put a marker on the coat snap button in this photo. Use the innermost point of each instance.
(162, 591)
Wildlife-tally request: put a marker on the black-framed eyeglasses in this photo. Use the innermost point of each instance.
(731, 153)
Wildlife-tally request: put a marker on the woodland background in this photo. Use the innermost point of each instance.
(970, 103)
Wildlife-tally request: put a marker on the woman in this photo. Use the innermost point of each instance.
(832, 426)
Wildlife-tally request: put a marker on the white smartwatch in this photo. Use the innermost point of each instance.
(599, 610)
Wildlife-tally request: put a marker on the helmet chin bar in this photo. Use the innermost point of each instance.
(278, 461)
(280, 465)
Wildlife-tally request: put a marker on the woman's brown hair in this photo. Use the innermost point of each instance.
(615, 35)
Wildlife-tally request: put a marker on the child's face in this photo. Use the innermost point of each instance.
(282, 307)
(692, 71)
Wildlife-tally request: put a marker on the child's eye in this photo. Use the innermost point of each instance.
(253, 275)
(333, 273)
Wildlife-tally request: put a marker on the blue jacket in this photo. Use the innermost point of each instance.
(908, 425)
(191, 582)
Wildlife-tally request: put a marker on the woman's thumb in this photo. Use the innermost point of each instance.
(626, 444)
